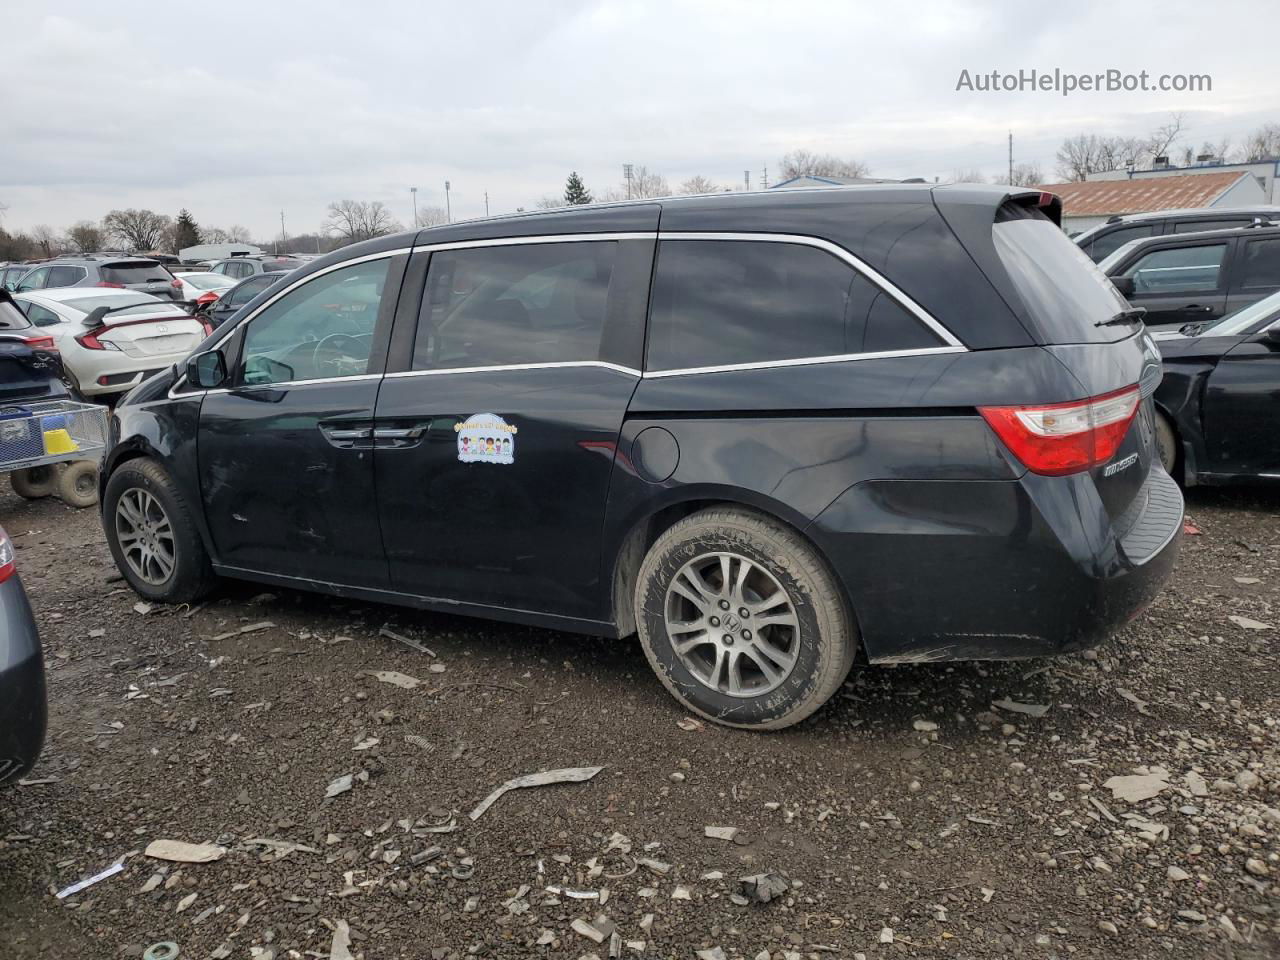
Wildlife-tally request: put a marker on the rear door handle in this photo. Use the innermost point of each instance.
(399, 433)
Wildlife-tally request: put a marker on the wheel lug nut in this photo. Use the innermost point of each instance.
(724, 604)
(715, 621)
(746, 634)
(728, 640)
(744, 613)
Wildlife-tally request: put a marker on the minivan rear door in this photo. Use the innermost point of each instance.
(498, 421)
(1180, 282)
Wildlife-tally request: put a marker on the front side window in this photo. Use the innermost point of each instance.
(322, 329)
(726, 302)
(1261, 264)
(1177, 270)
(34, 280)
(523, 303)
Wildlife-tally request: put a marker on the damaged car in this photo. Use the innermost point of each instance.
(767, 433)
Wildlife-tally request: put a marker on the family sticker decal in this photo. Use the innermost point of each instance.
(486, 438)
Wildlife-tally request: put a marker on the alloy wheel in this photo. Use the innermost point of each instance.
(145, 536)
(732, 625)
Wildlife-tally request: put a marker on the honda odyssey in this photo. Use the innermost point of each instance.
(766, 432)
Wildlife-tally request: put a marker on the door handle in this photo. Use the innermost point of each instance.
(355, 434)
(1196, 306)
(347, 437)
(399, 433)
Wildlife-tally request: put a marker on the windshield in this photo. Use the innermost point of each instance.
(1244, 318)
(89, 304)
(1067, 296)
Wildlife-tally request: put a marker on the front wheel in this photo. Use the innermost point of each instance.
(153, 536)
(742, 621)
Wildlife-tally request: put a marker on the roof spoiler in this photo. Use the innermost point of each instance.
(1050, 204)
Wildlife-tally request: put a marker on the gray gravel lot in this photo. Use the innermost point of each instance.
(909, 818)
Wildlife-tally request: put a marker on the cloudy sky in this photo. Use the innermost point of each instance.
(259, 108)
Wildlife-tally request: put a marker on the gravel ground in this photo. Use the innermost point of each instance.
(911, 817)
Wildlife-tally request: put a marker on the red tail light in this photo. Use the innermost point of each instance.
(113, 286)
(208, 327)
(40, 343)
(176, 284)
(206, 298)
(1061, 438)
(6, 557)
(90, 340)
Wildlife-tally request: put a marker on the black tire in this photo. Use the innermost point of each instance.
(78, 483)
(824, 644)
(1166, 443)
(192, 575)
(34, 482)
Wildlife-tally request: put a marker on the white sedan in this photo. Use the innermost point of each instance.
(112, 340)
(202, 289)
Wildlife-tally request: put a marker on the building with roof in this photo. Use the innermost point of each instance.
(1087, 203)
(1267, 173)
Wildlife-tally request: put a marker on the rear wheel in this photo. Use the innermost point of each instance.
(1166, 443)
(78, 483)
(34, 482)
(742, 621)
(153, 536)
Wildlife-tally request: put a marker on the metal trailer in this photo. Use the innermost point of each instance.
(53, 447)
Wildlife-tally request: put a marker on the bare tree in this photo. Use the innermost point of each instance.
(238, 234)
(699, 184)
(803, 163)
(86, 236)
(643, 184)
(47, 240)
(971, 175)
(548, 203)
(1262, 144)
(139, 230)
(432, 216)
(355, 220)
(1027, 175)
(1162, 139)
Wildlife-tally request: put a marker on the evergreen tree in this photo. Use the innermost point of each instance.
(575, 191)
(186, 232)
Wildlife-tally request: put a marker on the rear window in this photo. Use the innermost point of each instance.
(729, 302)
(280, 266)
(141, 272)
(1065, 293)
(89, 304)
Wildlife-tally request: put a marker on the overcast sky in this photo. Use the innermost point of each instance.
(240, 112)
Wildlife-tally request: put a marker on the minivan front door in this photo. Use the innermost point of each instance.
(285, 454)
(495, 439)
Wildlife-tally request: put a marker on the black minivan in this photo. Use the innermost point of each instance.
(764, 431)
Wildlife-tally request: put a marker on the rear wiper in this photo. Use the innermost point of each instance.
(1124, 316)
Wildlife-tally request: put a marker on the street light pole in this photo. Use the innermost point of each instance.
(448, 207)
(414, 192)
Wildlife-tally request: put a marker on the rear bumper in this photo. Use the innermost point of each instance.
(996, 570)
(23, 705)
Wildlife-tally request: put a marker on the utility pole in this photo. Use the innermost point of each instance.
(764, 181)
(1010, 158)
(626, 174)
(448, 207)
(283, 237)
(486, 203)
(414, 192)
(746, 179)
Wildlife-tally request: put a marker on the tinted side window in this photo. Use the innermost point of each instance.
(1109, 243)
(720, 302)
(65, 276)
(525, 303)
(324, 328)
(1178, 269)
(1261, 264)
(40, 315)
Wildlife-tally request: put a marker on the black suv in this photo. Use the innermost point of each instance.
(1106, 238)
(132, 273)
(1197, 277)
(764, 431)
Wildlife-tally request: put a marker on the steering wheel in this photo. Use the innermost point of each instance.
(340, 353)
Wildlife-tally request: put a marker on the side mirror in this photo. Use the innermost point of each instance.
(1124, 285)
(1272, 335)
(207, 370)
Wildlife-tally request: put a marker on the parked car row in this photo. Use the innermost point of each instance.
(1106, 238)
